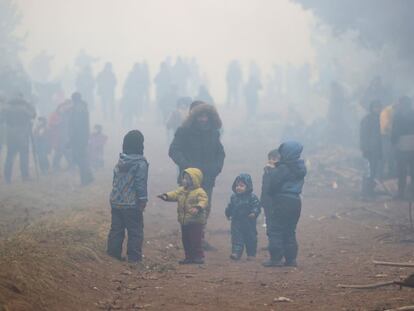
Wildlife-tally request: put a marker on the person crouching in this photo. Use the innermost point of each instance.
(192, 205)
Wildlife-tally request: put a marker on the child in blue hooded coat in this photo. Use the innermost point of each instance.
(285, 187)
(129, 198)
(243, 210)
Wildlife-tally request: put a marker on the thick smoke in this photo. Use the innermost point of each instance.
(378, 22)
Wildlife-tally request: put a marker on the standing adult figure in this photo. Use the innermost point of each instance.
(18, 115)
(371, 145)
(79, 137)
(106, 84)
(197, 144)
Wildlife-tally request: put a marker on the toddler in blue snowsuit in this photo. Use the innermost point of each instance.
(243, 210)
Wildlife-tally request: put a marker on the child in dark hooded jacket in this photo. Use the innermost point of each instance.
(129, 198)
(285, 188)
(243, 210)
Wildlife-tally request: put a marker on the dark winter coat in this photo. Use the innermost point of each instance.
(265, 198)
(129, 186)
(288, 177)
(243, 204)
(370, 136)
(200, 148)
(18, 115)
(402, 133)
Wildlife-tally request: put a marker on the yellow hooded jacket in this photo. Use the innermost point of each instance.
(189, 198)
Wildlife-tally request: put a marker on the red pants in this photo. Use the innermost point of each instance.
(192, 235)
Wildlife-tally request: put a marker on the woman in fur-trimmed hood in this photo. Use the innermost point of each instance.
(197, 144)
(199, 108)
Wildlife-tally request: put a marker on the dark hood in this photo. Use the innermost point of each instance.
(246, 179)
(290, 153)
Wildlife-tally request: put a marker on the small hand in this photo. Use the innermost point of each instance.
(252, 216)
(229, 218)
(162, 197)
(193, 210)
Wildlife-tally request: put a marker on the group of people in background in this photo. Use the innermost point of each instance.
(199, 154)
(65, 134)
(387, 143)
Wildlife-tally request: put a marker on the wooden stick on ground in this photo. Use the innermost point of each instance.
(367, 286)
(406, 308)
(393, 264)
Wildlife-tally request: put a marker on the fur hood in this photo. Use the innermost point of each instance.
(214, 117)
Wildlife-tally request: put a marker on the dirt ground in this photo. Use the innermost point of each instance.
(53, 235)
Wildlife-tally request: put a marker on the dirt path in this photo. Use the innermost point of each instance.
(52, 252)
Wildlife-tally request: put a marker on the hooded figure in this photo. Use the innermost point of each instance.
(191, 209)
(286, 183)
(128, 198)
(243, 210)
(197, 144)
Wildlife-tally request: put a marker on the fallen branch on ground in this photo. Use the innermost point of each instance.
(406, 308)
(393, 264)
(367, 286)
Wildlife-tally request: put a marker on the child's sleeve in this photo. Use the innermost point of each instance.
(229, 209)
(141, 181)
(172, 196)
(255, 205)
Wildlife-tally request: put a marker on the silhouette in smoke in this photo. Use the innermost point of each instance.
(18, 115)
(85, 84)
(133, 97)
(402, 138)
(59, 134)
(371, 145)
(97, 142)
(106, 84)
(3, 101)
(251, 93)
(162, 81)
(195, 77)
(180, 76)
(145, 84)
(204, 95)
(168, 101)
(197, 144)
(79, 137)
(234, 79)
(42, 142)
